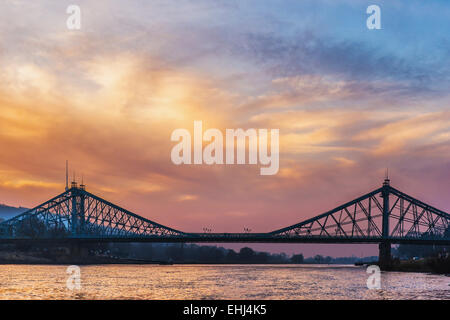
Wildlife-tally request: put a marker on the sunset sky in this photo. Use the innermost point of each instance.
(348, 101)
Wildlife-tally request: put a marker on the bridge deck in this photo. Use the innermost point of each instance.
(236, 238)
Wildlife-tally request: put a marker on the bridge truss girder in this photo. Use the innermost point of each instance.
(77, 213)
(407, 219)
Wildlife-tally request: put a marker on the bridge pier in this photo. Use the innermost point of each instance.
(78, 252)
(384, 255)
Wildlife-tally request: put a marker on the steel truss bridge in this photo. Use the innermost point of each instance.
(385, 216)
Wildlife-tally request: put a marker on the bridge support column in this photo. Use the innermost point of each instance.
(384, 257)
(74, 213)
(78, 252)
(77, 212)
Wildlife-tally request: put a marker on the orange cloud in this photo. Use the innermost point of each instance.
(412, 132)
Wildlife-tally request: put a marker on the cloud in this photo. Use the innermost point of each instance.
(410, 133)
(310, 53)
(187, 197)
(344, 161)
(109, 97)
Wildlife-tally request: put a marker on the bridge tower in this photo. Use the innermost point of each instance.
(81, 212)
(384, 257)
(74, 211)
(77, 208)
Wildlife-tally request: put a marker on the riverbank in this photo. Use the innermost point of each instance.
(436, 265)
(23, 258)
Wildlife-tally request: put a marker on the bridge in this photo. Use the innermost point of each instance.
(384, 216)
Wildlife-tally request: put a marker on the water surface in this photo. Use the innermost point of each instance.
(216, 282)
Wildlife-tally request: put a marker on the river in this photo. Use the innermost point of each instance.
(215, 282)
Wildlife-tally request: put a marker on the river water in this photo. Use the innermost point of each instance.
(215, 282)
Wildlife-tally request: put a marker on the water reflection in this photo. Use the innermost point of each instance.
(216, 282)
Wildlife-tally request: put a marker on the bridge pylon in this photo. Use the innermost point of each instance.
(384, 256)
(78, 211)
